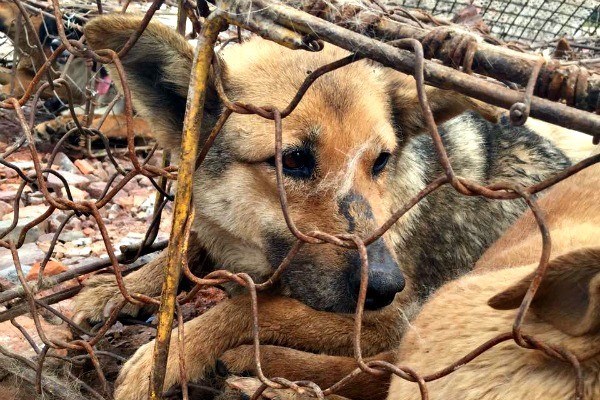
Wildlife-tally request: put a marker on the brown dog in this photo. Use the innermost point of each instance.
(467, 312)
(353, 154)
(564, 312)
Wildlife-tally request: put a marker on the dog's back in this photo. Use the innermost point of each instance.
(451, 231)
(564, 312)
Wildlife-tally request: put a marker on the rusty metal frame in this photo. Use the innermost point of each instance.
(407, 48)
(454, 46)
(183, 200)
(521, 67)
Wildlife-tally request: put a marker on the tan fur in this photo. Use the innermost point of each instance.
(353, 134)
(458, 317)
(235, 197)
(105, 293)
(283, 321)
(575, 144)
(114, 126)
(102, 291)
(115, 32)
(571, 214)
(353, 138)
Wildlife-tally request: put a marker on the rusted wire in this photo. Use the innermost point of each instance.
(38, 181)
(437, 75)
(406, 52)
(519, 112)
(187, 166)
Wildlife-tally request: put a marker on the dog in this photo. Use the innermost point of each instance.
(563, 312)
(477, 307)
(354, 151)
(31, 59)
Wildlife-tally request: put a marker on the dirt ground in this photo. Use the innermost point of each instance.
(127, 217)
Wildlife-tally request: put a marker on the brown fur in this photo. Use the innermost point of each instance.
(350, 117)
(114, 126)
(345, 126)
(565, 313)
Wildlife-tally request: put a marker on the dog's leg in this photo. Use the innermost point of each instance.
(101, 292)
(324, 370)
(282, 321)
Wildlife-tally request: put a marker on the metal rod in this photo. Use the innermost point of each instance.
(240, 11)
(48, 300)
(181, 17)
(183, 199)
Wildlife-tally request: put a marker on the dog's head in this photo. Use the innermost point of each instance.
(341, 147)
(45, 28)
(50, 39)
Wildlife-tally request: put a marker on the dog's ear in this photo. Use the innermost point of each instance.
(445, 104)
(569, 295)
(157, 71)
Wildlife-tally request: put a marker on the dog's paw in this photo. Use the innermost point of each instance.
(134, 379)
(98, 298)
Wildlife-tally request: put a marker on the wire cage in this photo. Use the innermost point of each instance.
(566, 94)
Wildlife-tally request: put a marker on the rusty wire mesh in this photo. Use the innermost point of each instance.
(414, 59)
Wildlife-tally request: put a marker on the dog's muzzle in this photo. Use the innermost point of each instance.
(64, 56)
(385, 277)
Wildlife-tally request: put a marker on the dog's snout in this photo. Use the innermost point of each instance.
(55, 44)
(62, 57)
(385, 277)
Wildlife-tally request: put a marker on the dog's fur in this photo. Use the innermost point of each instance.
(564, 311)
(345, 121)
(458, 318)
(113, 126)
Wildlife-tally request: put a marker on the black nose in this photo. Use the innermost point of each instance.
(55, 44)
(385, 277)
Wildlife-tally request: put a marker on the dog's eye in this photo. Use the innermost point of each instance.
(380, 163)
(297, 163)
